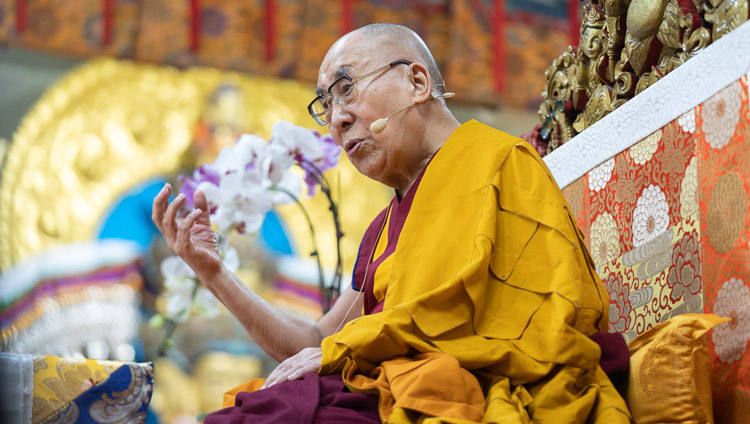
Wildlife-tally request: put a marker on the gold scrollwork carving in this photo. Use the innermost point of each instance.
(726, 15)
(110, 125)
(626, 46)
(81, 147)
(558, 92)
(599, 105)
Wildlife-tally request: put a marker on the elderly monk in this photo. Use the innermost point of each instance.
(473, 295)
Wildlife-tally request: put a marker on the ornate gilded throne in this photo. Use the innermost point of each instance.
(645, 127)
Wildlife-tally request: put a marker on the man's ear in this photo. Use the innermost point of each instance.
(421, 82)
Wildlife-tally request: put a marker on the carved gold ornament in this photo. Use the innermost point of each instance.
(726, 16)
(625, 47)
(98, 131)
(110, 125)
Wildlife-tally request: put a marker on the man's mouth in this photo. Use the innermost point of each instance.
(351, 146)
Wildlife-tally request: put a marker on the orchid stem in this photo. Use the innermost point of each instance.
(323, 292)
(171, 323)
(170, 327)
(325, 187)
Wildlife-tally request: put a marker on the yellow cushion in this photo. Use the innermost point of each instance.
(669, 378)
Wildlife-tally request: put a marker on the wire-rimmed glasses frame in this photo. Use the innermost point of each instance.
(342, 95)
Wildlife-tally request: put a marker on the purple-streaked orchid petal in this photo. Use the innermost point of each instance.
(298, 140)
(188, 185)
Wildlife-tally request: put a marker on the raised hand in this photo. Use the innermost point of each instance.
(306, 361)
(190, 238)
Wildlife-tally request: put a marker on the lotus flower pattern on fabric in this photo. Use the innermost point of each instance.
(644, 150)
(684, 276)
(721, 114)
(605, 239)
(730, 338)
(619, 303)
(686, 121)
(689, 190)
(599, 176)
(651, 215)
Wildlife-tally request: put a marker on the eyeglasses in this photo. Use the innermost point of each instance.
(343, 94)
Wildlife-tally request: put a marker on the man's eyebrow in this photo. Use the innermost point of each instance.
(344, 70)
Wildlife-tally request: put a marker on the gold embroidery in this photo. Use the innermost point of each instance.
(121, 407)
(726, 212)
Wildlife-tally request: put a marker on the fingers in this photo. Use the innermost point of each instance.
(183, 230)
(160, 205)
(305, 368)
(277, 375)
(199, 200)
(306, 361)
(169, 224)
(281, 373)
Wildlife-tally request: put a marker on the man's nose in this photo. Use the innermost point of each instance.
(341, 117)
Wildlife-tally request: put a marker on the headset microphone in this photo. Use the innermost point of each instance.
(378, 126)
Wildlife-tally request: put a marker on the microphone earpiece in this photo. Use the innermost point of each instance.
(378, 126)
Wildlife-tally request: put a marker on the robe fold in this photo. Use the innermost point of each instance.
(489, 270)
(311, 399)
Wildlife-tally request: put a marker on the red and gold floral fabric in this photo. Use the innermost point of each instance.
(668, 226)
(490, 51)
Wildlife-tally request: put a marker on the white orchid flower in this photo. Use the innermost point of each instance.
(300, 141)
(176, 272)
(231, 259)
(292, 183)
(276, 162)
(205, 303)
(179, 280)
(240, 199)
(179, 301)
(248, 149)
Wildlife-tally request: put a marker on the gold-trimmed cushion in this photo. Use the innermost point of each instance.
(669, 378)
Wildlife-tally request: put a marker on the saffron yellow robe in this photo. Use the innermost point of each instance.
(491, 296)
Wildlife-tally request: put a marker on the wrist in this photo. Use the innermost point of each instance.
(211, 276)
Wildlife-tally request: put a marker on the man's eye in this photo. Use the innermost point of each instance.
(346, 88)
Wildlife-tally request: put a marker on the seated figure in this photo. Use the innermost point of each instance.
(473, 295)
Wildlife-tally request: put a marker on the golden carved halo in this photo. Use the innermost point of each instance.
(112, 124)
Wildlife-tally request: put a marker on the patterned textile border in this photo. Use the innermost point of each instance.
(723, 141)
(62, 320)
(720, 64)
(667, 222)
(89, 391)
(65, 261)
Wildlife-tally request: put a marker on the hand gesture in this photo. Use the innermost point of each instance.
(306, 361)
(191, 238)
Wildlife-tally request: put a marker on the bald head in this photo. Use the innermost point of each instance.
(396, 41)
(394, 79)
